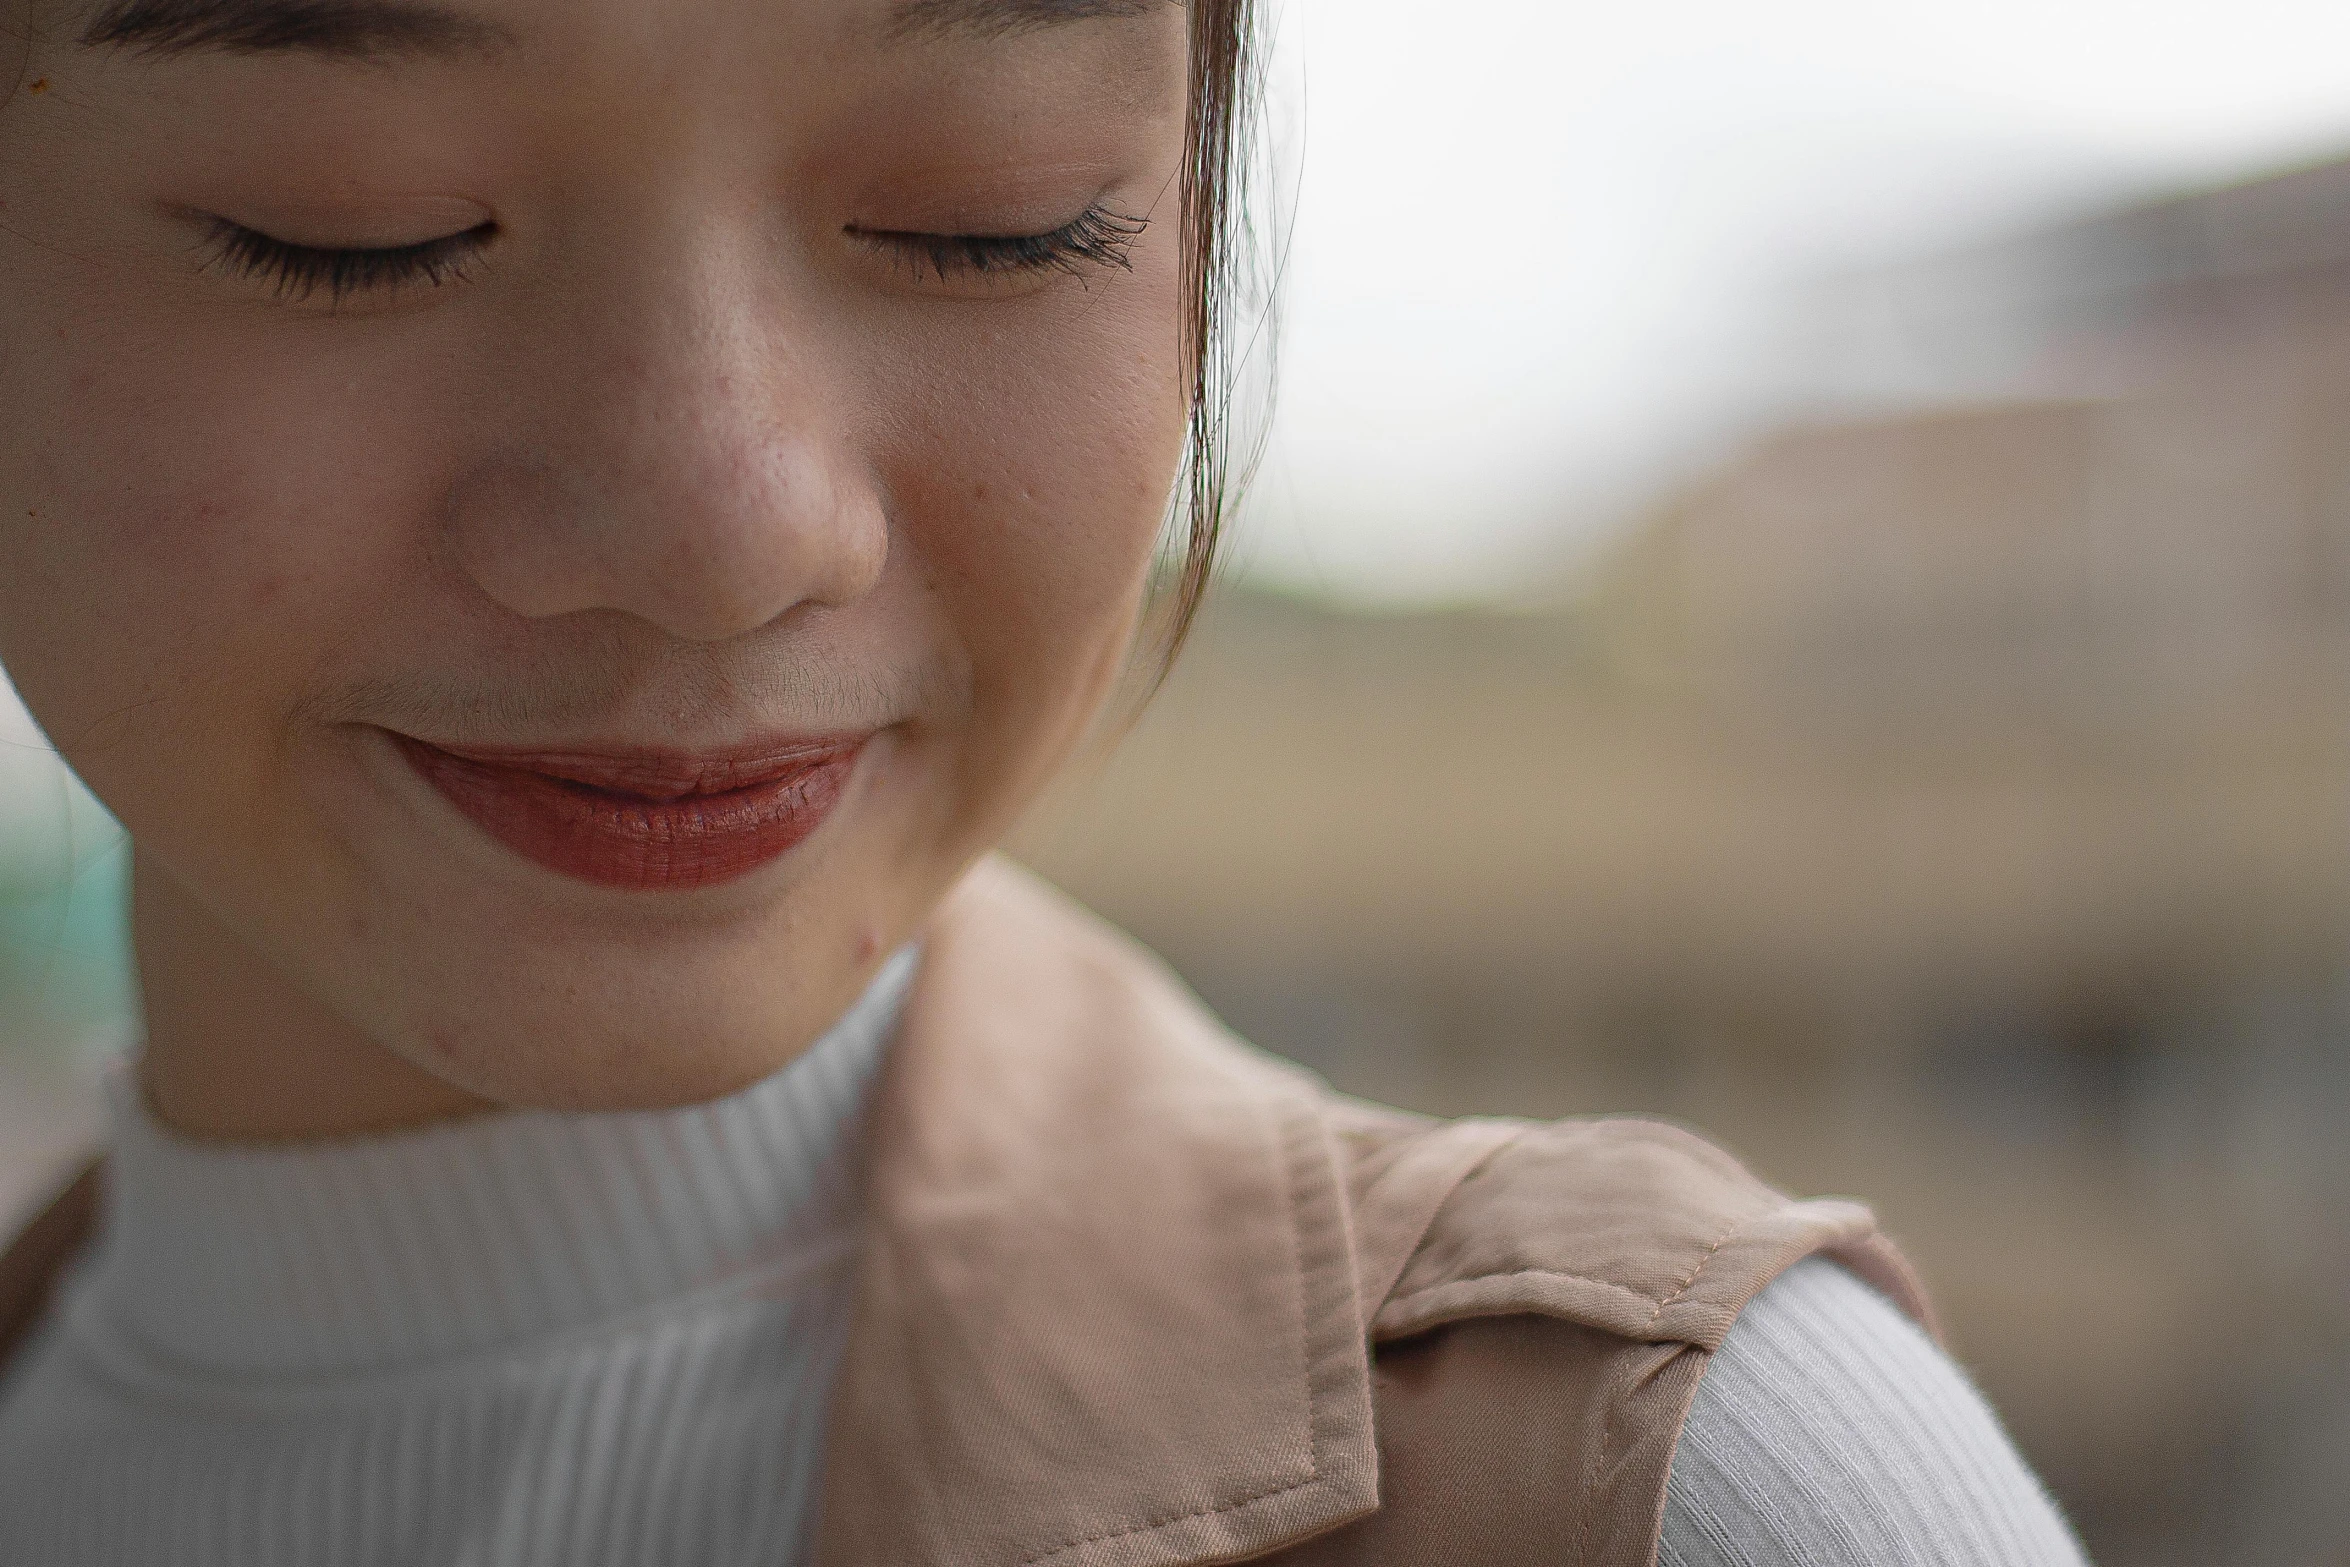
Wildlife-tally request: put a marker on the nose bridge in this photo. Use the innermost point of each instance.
(689, 469)
(682, 379)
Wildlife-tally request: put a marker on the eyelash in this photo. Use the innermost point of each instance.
(297, 272)
(1097, 236)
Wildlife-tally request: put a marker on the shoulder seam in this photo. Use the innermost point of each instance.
(1402, 1305)
(1690, 1282)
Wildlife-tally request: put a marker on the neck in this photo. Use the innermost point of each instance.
(235, 1052)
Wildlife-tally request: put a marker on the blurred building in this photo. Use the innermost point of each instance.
(1951, 805)
(2242, 286)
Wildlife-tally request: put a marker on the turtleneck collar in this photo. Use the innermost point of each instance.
(379, 1253)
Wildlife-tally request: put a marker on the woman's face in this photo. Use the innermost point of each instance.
(561, 525)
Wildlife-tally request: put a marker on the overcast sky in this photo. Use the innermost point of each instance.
(1536, 243)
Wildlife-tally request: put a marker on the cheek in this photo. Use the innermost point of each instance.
(189, 532)
(1034, 491)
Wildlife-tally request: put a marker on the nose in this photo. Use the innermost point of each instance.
(677, 463)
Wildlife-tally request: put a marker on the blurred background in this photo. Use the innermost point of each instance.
(1802, 584)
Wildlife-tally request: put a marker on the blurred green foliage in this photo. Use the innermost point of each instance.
(65, 972)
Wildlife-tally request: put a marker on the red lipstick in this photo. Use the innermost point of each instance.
(643, 819)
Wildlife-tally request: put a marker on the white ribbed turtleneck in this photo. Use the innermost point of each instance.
(526, 1338)
(608, 1341)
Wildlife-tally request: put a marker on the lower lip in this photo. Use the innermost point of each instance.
(642, 822)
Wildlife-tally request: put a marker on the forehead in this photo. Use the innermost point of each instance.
(375, 29)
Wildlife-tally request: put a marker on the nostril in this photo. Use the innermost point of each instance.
(704, 542)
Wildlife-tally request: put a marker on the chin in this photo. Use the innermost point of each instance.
(594, 1050)
(577, 1012)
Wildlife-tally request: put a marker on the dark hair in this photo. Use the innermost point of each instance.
(1217, 277)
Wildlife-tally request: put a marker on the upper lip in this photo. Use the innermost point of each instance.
(660, 772)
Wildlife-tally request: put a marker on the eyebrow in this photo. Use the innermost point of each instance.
(343, 29)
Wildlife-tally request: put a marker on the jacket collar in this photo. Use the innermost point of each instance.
(1108, 1309)
(1108, 1312)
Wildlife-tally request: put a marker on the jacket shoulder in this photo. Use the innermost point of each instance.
(1548, 1299)
(1637, 1228)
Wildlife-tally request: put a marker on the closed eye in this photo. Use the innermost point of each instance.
(1096, 237)
(297, 273)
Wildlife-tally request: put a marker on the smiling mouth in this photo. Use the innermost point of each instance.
(643, 820)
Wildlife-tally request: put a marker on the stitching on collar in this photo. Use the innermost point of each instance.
(1304, 1385)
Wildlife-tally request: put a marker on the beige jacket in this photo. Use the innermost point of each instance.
(1134, 1295)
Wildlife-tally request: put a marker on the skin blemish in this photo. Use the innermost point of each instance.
(40, 85)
